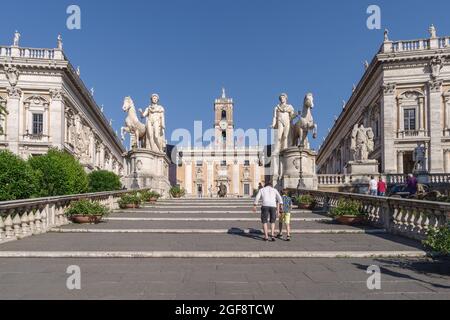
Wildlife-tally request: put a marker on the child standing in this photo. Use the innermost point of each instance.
(285, 217)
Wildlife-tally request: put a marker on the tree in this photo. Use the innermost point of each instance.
(103, 180)
(17, 178)
(59, 174)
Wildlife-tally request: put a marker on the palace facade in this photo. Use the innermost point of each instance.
(48, 106)
(202, 170)
(404, 96)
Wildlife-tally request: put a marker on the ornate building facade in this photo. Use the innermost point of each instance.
(48, 106)
(404, 96)
(202, 170)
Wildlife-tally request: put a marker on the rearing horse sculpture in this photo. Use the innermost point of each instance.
(133, 126)
(305, 124)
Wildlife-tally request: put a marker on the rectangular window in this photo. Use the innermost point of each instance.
(38, 124)
(247, 163)
(410, 119)
(223, 163)
(199, 163)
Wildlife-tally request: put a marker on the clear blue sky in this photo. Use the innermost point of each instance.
(187, 50)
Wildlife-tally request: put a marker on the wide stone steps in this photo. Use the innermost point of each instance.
(192, 229)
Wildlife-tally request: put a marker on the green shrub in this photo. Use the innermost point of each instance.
(177, 192)
(17, 179)
(132, 198)
(86, 208)
(438, 240)
(148, 195)
(304, 199)
(59, 174)
(103, 180)
(347, 208)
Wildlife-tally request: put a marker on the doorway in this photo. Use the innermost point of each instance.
(408, 162)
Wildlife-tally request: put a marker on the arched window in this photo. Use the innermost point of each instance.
(224, 114)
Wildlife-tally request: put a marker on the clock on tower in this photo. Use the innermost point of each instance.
(223, 122)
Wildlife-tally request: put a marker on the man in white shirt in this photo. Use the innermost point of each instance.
(270, 203)
(373, 187)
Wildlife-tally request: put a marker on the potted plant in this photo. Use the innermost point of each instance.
(130, 201)
(305, 202)
(150, 196)
(438, 240)
(348, 212)
(85, 211)
(177, 192)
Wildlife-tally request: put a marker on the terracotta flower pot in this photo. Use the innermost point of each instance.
(80, 219)
(129, 206)
(304, 206)
(153, 200)
(350, 220)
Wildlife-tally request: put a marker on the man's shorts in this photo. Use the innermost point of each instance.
(268, 212)
(285, 218)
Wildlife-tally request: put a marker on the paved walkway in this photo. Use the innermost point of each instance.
(213, 249)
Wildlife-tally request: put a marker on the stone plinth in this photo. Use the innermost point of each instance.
(361, 172)
(152, 171)
(295, 161)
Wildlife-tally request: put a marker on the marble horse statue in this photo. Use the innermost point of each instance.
(305, 124)
(133, 126)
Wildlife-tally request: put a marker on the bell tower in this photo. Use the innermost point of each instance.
(223, 121)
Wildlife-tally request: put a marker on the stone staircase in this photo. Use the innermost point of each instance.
(209, 228)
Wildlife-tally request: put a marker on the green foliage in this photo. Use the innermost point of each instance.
(86, 208)
(304, 199)
(132, 198)
(177, 192)
(103, 180)
(347, 207)
(438, 240)
(149, 195)
(17, 178)
(59, 174)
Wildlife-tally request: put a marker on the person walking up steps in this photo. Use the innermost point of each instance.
(269, 211)
(285, 217)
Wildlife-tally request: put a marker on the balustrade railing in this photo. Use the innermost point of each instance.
(409, 218)
(23, 218)
(333, 179)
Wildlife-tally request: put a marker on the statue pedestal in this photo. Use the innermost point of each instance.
(152, 171)
(361, 172)
(296, 162)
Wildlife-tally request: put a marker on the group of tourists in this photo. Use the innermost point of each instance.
(274, 206)
(379, 187)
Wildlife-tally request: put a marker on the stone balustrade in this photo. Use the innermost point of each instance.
(409, 218)
(333, 179)
(416, 45)
(23, 218)
(31, 53)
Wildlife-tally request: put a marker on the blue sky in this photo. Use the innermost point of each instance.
(187, 50)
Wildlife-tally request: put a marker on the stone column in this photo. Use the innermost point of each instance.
(210, 176)
(56, 122)
(447, 161)
(102, 156)
(257, 175)
(436, 155)
(389, 115)
(421, 115)
(236, 182)
(400, 169)
(13, 118)
(188, 177)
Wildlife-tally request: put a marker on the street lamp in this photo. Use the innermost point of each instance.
(135, 184)
(300, 184)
